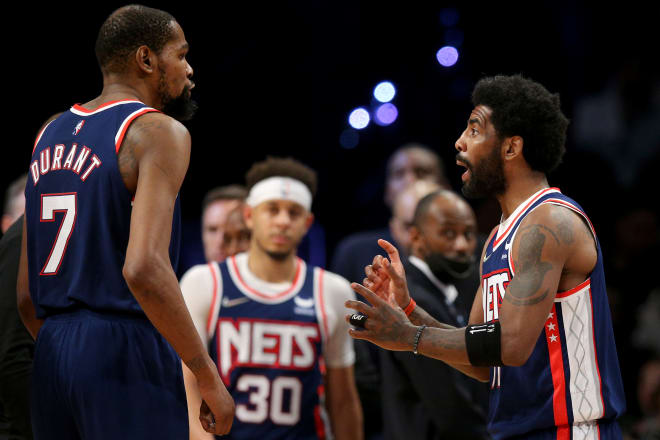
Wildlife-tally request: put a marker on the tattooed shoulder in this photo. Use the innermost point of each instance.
(564, 221)
(526, 286)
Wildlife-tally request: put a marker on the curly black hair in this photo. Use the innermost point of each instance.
(128, 28)
(283, 167)
(522, 107)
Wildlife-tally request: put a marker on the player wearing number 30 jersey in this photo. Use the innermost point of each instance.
(273, 324)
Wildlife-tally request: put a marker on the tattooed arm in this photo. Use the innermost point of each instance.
(543, 244)
(550, 247)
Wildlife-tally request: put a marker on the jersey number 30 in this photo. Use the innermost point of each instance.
(50, 205)
(263, 392)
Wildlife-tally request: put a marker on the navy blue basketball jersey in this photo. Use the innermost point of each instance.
(571, 383)
(78, 212)
(269, 354)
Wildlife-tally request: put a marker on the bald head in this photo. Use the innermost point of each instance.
(444, 223)
(128, 28)
(411, 163)
(403, 210)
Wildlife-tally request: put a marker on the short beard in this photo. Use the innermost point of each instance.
(487, 178)
(277, 256)
(182, 107)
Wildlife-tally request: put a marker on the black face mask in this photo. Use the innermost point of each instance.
(442, 266)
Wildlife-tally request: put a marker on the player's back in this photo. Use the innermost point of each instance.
(78, 212)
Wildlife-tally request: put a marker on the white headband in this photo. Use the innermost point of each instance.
(280, 188)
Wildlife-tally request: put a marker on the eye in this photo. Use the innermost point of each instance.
(448, 233)
(474, 131)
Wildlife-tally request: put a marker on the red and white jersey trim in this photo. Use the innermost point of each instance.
(259, 290)
(216, 299)
(319, 301)
(82, 111)
(123, 128)
(585, 384)
(505, 227)
(39, 136)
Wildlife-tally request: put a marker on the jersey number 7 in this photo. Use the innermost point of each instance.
(50, 205)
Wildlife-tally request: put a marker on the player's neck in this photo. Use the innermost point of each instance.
(270, 269)
(115, 89)
(520, 189)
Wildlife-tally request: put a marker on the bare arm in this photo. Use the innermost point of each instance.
(539, 257)
(24, 301)
(343, 404)
(194, 402)
(420, 317)
(388, 278)
(159, 149)
(540, 252)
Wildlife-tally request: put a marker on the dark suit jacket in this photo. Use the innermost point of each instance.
(424, 398)
(16, 344)
(351, 255)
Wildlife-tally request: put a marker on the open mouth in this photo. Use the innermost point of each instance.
(466, 174)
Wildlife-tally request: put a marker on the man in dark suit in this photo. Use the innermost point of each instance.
(424, 398)
(408, 165)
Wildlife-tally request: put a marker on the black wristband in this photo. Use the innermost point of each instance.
(484, 345)
(418, 335)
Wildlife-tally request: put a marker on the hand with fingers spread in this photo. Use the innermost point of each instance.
(387, 278)
(386, 325)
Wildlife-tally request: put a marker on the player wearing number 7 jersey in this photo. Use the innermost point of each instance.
(271, 322)
(96, 279)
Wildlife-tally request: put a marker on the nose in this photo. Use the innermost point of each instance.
(409, 177)
(282, 218)
(460, 143)
(189, 70)
(462, 245)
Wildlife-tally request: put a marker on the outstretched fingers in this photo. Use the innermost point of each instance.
(367, 294)
(392, 252)
(358, 306)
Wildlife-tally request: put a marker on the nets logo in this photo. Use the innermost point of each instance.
(260, 343)
(494, 285)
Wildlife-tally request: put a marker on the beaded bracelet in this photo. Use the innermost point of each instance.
(417, 337)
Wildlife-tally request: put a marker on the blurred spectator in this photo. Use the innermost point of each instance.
(648, 391)
(631, 259)
(409, 164)
(224, 232)
(646, 335)
(621, 122)
(16, 344)
(424, 398)
(14, 202)
(403, 211)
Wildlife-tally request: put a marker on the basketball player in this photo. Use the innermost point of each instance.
(100, 240)
(540, 328)
(273, 324)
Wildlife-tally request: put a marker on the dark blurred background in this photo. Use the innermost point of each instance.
(281, 78)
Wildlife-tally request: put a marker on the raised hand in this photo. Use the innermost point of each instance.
(387, 278)
(386, 325)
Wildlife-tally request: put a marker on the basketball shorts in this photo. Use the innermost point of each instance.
(104, 376)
